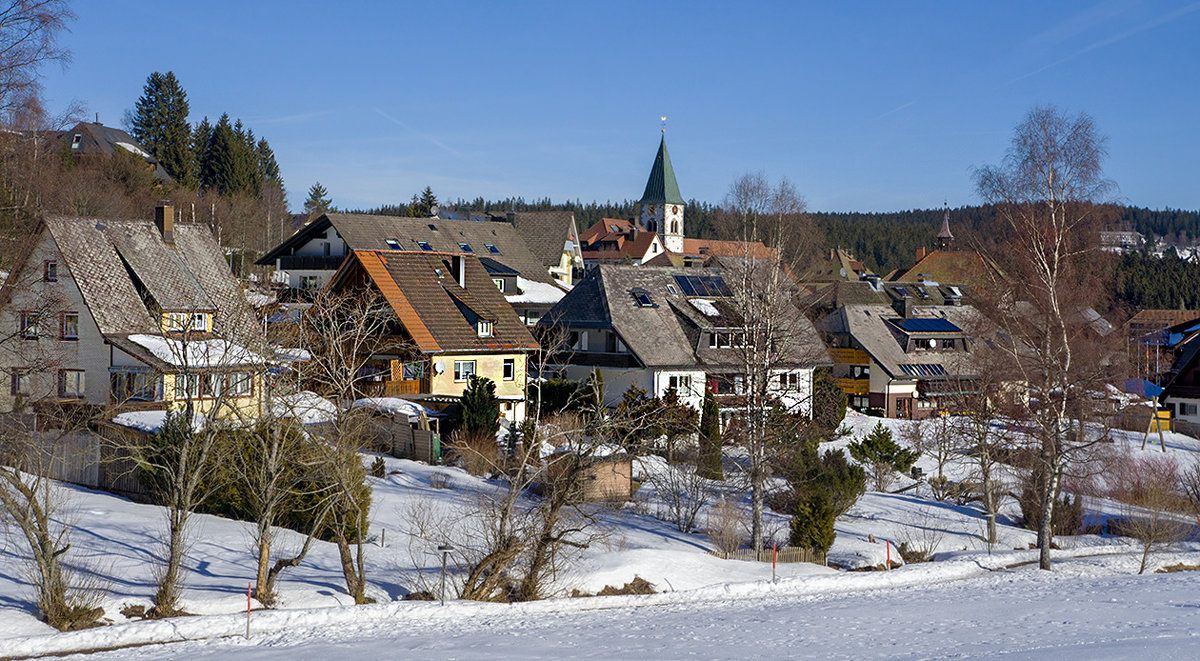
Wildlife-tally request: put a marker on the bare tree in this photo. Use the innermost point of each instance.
(1149, 487)
(29, 31)
(1041, 295)
(937, 439)
(775, 238)
(983, 438)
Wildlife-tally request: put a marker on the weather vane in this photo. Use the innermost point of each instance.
(664, 123)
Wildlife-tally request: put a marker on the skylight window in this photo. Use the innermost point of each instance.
(902, 292)
(433, 227)
(425, 246)
(642, 298)
(465, 247)
(393, 244)
(492, 248)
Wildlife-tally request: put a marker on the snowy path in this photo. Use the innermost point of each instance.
(1081, 611)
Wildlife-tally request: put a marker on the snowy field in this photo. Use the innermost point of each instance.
(707, 607)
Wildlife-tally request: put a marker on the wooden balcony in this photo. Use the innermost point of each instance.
(843, 356)
(396, 388)
(854, 386)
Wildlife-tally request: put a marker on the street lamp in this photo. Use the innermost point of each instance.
(445, 550)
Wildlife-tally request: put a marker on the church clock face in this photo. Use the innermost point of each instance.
(653, 209)
(674, 208)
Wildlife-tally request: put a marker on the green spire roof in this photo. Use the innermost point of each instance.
(661, 187)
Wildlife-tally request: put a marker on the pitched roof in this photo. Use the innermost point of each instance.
(661, 187)
(122, 265)
(372, 232)
(546, 232)
(611, 239)
(878, 330)
(107, 139)
(755, 249)
(667, 332)
(965, 266)
(437, 313)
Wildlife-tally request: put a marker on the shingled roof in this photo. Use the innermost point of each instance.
(666, 333)
(435, 311)
(372, 232)
(546, 232)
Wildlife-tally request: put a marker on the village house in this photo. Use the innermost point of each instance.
(665, 329)
(897, 347)
(311, 256)
(454, 323)
(127, 314)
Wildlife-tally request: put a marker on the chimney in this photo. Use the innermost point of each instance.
(458, 266)
(921, 252)
(164, 220)
(512, 218)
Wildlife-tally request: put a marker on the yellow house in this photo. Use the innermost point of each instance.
(455, 319)
(123, 314)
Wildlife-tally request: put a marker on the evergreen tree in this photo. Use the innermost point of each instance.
(267, 164)
(160, 124)
(480, 408)
(201, 136)
(318, 201)
(424, 204)
(709, 464)
(882, 455)
(227, 165)
(812, 524)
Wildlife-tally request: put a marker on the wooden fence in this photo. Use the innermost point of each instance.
(787, 554)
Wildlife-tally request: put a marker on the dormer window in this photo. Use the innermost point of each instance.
(393, 244)
(425, 246)
(179, 322)
(76, 141)
(484, 328)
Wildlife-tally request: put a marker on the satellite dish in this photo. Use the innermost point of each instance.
(932, 344)
(439, 367)
(842, 272)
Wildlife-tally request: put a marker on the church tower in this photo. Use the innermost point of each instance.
(945, 238)
(661, 204)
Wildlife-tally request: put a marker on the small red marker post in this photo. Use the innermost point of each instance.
(889, 555)
(248, 610)
(774, 554)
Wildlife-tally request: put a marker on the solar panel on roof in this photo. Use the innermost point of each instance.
(929, 326)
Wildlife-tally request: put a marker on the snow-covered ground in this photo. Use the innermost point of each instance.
(726, 603)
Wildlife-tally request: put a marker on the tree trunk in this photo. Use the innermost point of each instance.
(166, 599)
(756, 508)
(1046, 525)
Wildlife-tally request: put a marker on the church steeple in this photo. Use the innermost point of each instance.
(944, 236)
(661, 203)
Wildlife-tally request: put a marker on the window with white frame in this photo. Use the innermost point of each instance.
(484, 328)
(241, 384)
(19, 381)
(199, 321)
(310, 282)
(680, 383)
(463, 370)
(510, 369)
(1189, 410)
(71, 383)
(499, 283)
(50, 270)
(187, 386)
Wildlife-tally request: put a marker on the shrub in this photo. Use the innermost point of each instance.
(812, 524)
(709, 463)
(378, 467)
(480, 408)
(477, 451)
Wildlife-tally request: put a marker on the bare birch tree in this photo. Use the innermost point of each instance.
(776, 237)
(1049, 194)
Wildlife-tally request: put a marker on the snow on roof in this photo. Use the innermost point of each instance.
(706, 307)
(133, 148)
(291, 354)
(151, 421)
(259, 299)
(394, 406)
(535, 292)
(306, 406)
(197, 353)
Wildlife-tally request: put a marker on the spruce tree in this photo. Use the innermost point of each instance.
(318, 201)
(480, 408)
(882, 455)
(267, 163)
(709, 464)
(201, 136)
(227, 165)
(160, 124)
(423, 205)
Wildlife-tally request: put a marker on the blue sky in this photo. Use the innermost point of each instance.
(863, 106)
